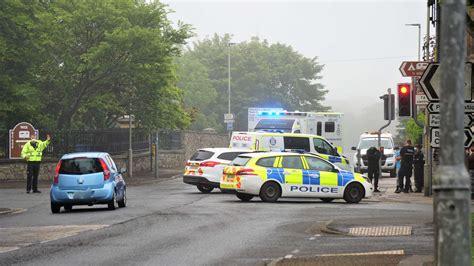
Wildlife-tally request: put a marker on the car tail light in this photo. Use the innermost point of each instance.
(209, 164)
(106, 170)
(188, 163)
(56, 173)
(246, 171)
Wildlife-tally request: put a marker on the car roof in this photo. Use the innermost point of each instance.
(268, 154)
(225, 149)
(83, 154)
(274, 134)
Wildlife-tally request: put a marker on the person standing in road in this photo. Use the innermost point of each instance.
(397, 159)
(406, 167)
(32, 153)
(418, 167)
(373, 157)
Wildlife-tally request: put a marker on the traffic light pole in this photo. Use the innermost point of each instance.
(452, 212)
(379, 141)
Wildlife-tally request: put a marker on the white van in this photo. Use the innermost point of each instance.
(368, 140)
(268, 141)
(325, 124)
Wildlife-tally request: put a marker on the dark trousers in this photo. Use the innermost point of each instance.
(373, 174)
(404, 173)
(32, 172)
(419, 177)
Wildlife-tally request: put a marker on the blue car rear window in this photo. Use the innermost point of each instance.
(80, 166)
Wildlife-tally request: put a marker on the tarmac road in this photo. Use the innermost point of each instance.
(171, 223)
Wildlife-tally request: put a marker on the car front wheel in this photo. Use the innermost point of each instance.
(204, 188)
(354, 193)
(244, 197)
(327, 200)
(123, 202)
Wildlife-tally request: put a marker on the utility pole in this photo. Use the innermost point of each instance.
(451, 186)
(379, 141)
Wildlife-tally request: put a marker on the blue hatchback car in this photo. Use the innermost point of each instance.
(87, 178)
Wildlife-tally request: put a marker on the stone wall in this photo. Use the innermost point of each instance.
(142, 162)
(195, 140)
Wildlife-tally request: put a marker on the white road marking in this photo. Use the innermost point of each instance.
(295, 251)
(312, 238)
(16, 237)
(7, 249)
(386, 252)
(288, 256)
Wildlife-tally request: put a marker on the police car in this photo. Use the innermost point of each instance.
(282, 174)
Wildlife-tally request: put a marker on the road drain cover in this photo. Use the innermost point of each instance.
(381, 231)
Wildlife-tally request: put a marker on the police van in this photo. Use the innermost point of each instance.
(325, 124)
(267, 141)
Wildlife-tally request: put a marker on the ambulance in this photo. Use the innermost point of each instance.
(269, 141)
(325, 124)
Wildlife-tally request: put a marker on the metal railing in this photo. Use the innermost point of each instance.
(113, 141)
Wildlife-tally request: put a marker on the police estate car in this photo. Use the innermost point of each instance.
(281, 174)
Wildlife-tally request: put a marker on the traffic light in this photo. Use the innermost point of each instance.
(386, 106)
(404, 100)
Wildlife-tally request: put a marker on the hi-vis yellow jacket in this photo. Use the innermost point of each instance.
(31, 154)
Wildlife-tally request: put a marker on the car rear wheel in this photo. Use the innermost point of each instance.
(123, 202)
(55, 208)
(68, 208)
(354, 193)
(270, 192)
(111, 203)
(327, 200)
(244, 197)
(204, 188)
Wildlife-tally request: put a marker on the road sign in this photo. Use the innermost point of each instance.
(434, 120)
(413, 68)
(435, 140)
(230, 126)
(435, 107)
(19, 136)
(431, 82)
(229, 118)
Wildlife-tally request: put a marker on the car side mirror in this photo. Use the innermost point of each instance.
(122, 171)
(354, 148)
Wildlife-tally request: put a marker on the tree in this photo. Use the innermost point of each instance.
(18, 55)
(262, 75)
(85, 63)
(408, 129)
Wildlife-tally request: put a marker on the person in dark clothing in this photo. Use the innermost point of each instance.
(406, 167)
(418, 167)
(373, 156)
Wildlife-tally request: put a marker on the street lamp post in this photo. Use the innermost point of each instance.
(228, 77)
(419, 36)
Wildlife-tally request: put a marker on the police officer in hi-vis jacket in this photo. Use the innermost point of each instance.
(32, 153)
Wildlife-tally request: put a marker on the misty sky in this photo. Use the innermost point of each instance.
(361, 43)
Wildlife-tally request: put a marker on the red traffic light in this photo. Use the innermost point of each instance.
(404, 99)
(403, 89)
